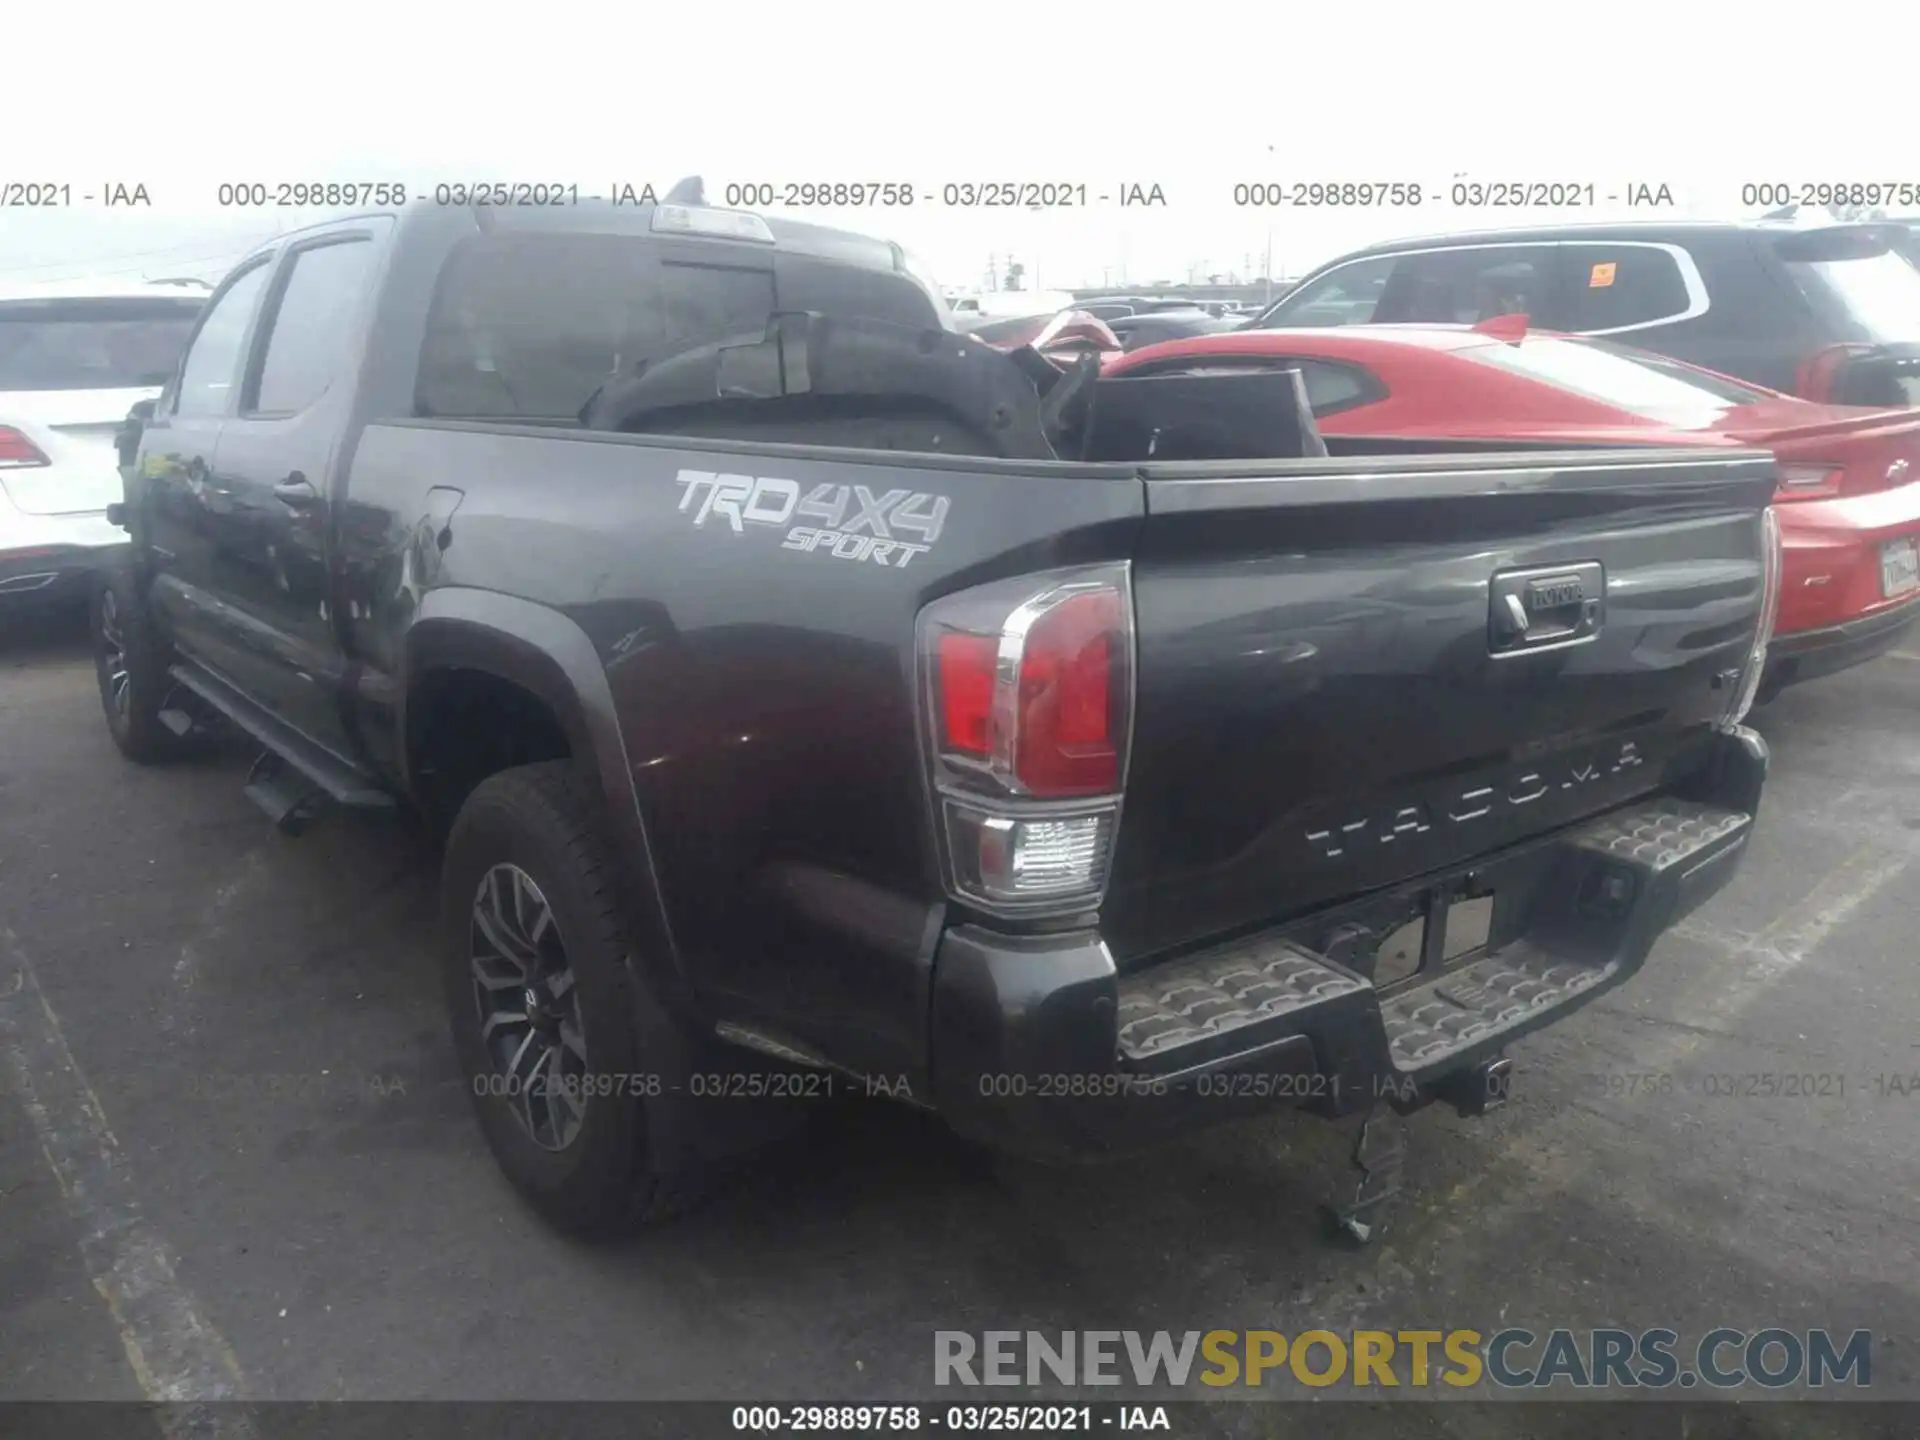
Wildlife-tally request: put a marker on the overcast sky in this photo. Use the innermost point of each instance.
(1194, 98)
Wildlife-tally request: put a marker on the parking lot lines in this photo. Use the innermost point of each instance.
(176, 1354)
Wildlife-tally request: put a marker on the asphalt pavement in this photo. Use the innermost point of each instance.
(235, 1154)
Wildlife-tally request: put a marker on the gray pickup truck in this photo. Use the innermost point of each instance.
(811, 697)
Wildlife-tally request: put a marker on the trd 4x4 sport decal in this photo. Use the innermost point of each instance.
(852, 523)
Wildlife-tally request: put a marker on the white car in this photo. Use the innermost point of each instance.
(74, 358)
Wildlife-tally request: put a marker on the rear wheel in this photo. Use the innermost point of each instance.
(130, 663)
(580, 1076)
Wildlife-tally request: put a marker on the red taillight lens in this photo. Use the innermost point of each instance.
(1048, 720)
(1064, 738)
(17, 451)
(1028, 701)
(1809, 482)
(965, 687)
(1816, 376)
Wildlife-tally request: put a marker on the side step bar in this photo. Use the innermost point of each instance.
(331, 776)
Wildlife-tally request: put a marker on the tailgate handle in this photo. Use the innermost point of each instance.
(1547, 606)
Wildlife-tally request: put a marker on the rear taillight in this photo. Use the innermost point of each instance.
(1027, 690)
(17, 451)
(1809, 482)
(1817, 376)
(1770, 571)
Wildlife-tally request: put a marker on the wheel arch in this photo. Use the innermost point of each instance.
(545, 654)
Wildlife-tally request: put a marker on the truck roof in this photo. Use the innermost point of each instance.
(1604, 230)
(843, 247)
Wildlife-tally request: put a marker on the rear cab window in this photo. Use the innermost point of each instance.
(93, 344)
(1639, 383)
(530, 325)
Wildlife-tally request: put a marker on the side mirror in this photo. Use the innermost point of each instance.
(117, 514)
(126, 440)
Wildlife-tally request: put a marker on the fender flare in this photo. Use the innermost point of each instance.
(547, 654)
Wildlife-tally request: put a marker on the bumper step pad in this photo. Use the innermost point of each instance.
(1662, 854)
(1661, 834)
(1477, 1001)
(1212, 994)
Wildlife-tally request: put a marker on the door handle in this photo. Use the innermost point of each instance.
(296, 492)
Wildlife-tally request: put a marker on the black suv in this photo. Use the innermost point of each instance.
(1828, 311)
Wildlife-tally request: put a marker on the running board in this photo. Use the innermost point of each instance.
(335, 778)
(290, 800)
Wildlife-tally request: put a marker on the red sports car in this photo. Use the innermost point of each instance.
(1850, 478)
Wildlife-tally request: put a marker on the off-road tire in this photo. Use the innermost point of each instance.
(636, 1157)
(130, 663)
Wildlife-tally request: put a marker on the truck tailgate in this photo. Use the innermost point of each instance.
(1354, 675)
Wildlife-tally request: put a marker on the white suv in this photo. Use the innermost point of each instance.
(74, 358)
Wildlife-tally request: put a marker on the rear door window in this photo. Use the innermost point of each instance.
(529, 326)
(1624, 287)
(93, 344)
(1472, 284)
(308, 342)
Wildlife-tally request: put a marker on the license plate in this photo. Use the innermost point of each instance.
(1899, 567)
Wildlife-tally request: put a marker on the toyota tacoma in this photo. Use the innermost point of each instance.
(797, 683)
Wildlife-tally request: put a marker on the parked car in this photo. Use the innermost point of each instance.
(1061, 338)
(1906, 237)
(1117, 307)
(973, 309)
(1849, 492)
(1074, 798)
(1133, 331)
(74, 357)
(1826, 311)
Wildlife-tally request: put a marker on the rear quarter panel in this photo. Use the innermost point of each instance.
(764, 695)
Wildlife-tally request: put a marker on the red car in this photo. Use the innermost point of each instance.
(1062, 336)
(1850, 478)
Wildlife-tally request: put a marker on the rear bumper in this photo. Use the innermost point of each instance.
(1040, 1046)
(47, 557)
(1831, 550)
(1809, 654)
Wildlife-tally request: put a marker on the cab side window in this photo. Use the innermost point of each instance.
(212, 367)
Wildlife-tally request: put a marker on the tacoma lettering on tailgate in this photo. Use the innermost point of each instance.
(1473, 803)
(853, 522)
